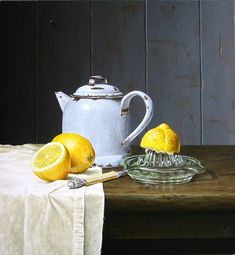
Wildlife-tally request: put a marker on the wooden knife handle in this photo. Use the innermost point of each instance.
(101, 177)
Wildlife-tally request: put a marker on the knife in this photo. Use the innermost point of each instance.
(76, 183)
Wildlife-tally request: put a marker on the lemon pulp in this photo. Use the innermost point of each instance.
(51, 162)
(48, 156)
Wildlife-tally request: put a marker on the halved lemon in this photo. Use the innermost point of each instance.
(51, 162)
(161, 139)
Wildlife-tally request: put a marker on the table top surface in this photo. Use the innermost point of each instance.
(212, 190)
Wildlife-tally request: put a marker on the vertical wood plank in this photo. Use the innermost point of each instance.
(17, 73)
(63, 59)
(118, 36)
(218, 62)
(174, 66)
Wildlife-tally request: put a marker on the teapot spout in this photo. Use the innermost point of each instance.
(62, 99)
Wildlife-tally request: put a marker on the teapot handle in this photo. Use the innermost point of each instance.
(148, 114)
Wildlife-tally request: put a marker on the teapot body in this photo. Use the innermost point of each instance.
(100, 113)
(100, 121)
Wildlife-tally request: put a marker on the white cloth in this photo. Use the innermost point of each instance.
(38, 217)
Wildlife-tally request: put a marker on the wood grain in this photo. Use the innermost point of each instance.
(168, 246)
(203, 208)
(118, 53)
(174, 66)
(173, 225)
(173, 50)
(63, 59)
(218, 72)
(18, 95)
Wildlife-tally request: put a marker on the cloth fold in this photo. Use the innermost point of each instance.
(38, 217)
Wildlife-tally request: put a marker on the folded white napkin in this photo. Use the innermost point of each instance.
(38, 217)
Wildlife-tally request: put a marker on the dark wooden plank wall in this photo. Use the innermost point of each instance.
(180, 52)
(174, 66)
(63, 59)
(218, 73)
(118, 42)
(18, 86)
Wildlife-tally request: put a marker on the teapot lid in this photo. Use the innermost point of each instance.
(98, 90)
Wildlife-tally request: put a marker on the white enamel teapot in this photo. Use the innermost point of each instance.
(100, 113)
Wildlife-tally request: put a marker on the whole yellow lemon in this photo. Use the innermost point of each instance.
(81, 151)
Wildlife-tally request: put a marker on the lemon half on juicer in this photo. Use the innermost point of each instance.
(160, 144)
(161, 163)
(161, 139)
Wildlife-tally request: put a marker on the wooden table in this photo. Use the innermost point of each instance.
(202, 210)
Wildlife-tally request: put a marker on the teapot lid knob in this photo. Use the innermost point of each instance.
(94, 78)
(98, 88)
